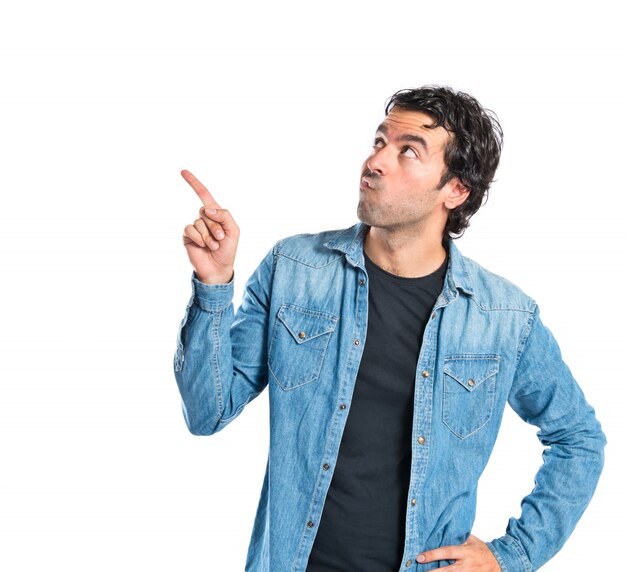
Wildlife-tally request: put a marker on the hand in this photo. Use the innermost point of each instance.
(472, 556)
(211, 241)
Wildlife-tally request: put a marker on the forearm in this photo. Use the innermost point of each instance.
(203, 362)
(564, 486)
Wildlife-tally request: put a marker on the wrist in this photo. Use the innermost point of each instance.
(216, 278)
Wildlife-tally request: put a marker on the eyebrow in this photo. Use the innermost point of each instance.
(382, 128)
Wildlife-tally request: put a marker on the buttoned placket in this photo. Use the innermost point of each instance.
(345, 397)
(422, 417)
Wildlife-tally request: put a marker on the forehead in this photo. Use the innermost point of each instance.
(401, 122)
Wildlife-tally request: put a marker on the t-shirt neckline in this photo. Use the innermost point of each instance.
(406, 279)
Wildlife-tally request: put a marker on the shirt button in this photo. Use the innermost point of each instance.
(425, 373)
(310, 524)
(421, 439)
(361, 281)
(432, 316)
(471, 382)
(408, 563)
(302, 335)
(356, 342)
(342, 406)
(413, 502)
(326, 466)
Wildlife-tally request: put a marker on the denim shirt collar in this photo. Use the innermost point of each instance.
(350, 241)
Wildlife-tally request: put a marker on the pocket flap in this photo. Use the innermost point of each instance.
(305, 324)
(471, 370)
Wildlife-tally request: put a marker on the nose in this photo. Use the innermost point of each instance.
(377, 162)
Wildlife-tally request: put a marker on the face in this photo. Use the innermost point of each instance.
(400, 179)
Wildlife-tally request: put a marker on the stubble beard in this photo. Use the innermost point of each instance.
(388, 217)
(396, 220)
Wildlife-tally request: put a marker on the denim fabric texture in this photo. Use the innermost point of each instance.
(300, 331)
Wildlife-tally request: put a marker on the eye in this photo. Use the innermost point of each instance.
(409, 152)
(378, 142)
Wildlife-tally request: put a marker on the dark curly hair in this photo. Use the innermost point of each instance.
(473, 151)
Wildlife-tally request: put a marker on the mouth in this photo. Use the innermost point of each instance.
(365, 184)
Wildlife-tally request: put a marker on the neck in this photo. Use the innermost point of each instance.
(404, 253)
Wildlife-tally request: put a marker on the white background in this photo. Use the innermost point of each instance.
(273, 106)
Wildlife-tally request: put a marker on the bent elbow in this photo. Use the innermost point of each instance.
(200, 426)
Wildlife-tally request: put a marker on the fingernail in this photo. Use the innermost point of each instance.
(421, 558)
(219, 234)
(210, 211)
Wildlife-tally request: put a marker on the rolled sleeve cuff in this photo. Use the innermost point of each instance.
(510, 555)
(211, 297)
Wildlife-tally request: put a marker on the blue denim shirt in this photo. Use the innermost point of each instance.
(300, 330)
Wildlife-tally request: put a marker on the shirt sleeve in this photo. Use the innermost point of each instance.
(220, 363)
(545, 394)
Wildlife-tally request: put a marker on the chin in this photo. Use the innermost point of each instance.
(363, 216)
(366, 216)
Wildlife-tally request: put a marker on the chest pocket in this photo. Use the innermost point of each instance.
(300, 338)
(469, 390)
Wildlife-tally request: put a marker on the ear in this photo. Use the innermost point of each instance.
(456, 194)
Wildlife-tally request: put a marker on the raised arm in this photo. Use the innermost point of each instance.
(220, 360)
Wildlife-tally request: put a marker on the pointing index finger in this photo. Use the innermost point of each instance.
(202, 192)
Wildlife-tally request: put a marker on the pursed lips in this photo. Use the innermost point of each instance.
(367, 183)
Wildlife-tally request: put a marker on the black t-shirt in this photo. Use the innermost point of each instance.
(362, 525)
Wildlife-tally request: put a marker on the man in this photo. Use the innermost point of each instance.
(389, 359)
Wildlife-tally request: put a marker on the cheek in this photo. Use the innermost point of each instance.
(425, 177)
(411, 182)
